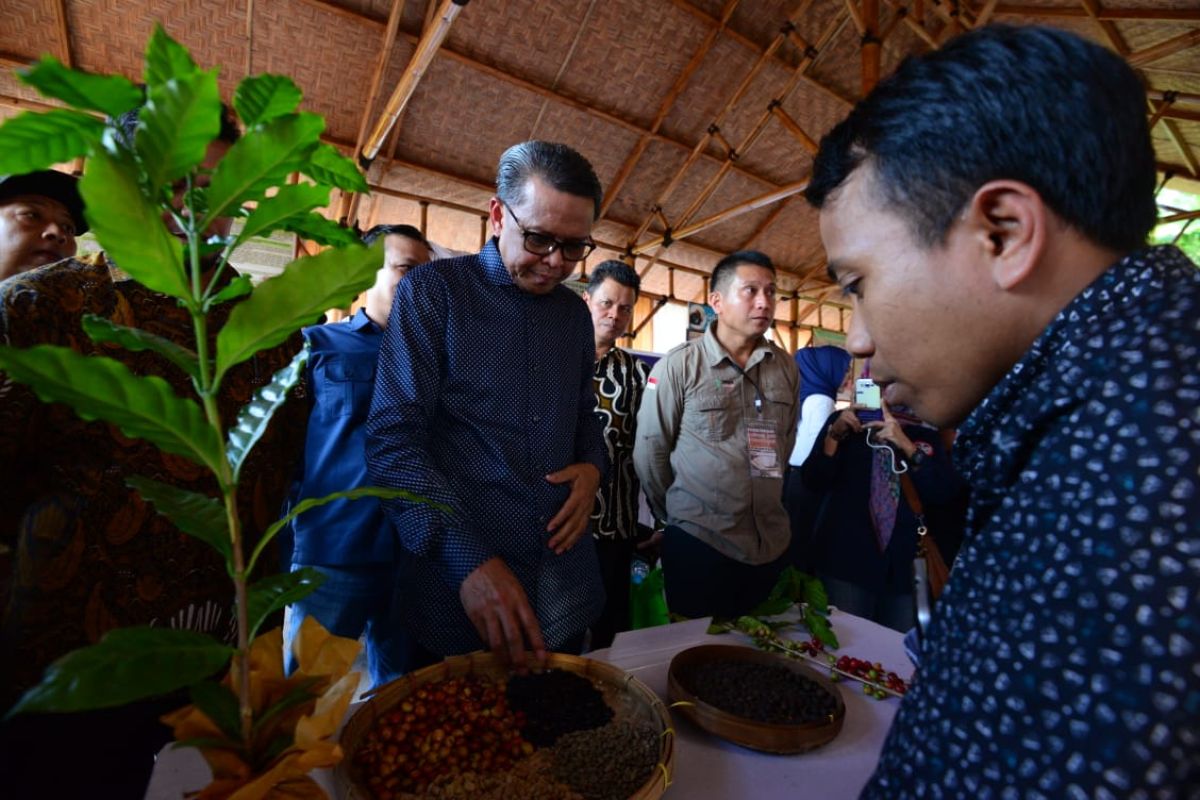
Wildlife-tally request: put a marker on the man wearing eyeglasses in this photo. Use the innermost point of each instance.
(483, 403)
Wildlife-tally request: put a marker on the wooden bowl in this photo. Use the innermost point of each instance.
(765, 736)
(629, 698)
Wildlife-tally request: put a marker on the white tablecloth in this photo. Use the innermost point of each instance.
(706, 768)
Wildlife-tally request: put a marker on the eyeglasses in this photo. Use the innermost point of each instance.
(541, 244)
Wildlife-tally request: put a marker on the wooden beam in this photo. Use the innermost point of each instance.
(427, 47)
(757, 48)
(766, 223)
(1176, 137)
(1145, 14)
(1188, 98)
(1092, 8)
(64, 35)
(1167, 47)
(914, 22)
(664, 108)
(745, 206)
(1180, 217)
(871, 45)
(985, 14)
(793, 127)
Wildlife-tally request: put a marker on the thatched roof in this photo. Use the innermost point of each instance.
(636, 85)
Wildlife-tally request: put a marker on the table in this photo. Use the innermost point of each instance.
(706, 768)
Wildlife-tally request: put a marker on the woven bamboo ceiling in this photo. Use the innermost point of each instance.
(699, 115)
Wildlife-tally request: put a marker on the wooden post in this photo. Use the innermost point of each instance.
(871, 48)
(483, 231)
(425, 218)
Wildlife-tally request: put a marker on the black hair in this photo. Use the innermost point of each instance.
(408, 231)
(726, 268)
(127, 124)
(556, 164)
(619, 271)
(1033, 104)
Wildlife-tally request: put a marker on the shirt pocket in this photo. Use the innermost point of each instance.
(713, 415)
(348, 382)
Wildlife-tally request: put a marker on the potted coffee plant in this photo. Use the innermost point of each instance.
(257, 728)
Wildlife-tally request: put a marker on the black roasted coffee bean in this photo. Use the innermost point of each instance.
(556, 702)
(761, 692)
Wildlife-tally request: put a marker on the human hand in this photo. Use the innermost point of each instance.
(889, 430)
(497, 606)
(845, 424)
(571, 521)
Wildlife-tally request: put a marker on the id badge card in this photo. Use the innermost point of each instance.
(764, 454)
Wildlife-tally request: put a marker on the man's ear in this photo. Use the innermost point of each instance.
(714, 301)
(496, 215)
(1010, 222)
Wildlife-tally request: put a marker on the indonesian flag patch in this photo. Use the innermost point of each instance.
(652, 383)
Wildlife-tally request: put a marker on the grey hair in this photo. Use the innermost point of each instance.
(556, 164)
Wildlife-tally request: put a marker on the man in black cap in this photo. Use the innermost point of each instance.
(41, 213)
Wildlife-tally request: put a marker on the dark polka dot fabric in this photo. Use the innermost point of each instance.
(481, 391)
(1063, 659)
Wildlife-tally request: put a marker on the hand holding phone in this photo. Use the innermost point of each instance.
(868, 399)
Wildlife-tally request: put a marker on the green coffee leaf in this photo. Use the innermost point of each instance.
(260, 159)
(821, 628)
(166, 59)
(327, 165)
(276, 591)
(296, 297)
(255, 416)
(261, 98)
(104, 389)
(108, 94)
(288, 202)
(238, 287)
(220, 705)
(349, 494)
(31, 141)
(127, 664)
(193, 513)
(129, 227)
(317, 228)
(181, 117)
(99, 329)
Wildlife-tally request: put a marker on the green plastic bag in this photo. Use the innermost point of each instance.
(647, 602)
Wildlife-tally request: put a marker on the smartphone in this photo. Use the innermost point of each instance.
(867, 395)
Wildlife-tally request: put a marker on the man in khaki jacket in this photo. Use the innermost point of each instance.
(713, 435)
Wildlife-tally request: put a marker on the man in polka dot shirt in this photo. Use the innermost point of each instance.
(987, 208)
(483, 402)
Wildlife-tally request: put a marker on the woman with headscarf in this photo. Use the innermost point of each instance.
(865, 534)
(822, 372)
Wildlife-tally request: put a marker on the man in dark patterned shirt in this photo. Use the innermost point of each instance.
(483, 402)
(619, 380)
(987, 208)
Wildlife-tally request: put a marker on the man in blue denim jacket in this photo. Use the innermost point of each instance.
(350, 542)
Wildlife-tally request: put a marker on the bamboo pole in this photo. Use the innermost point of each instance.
(427, 47)
(528, 85)
(766, 223)
(249, 37)
(811, 54)
(793, 127)
(915, 22)
(1145, 14)
(714, 126)
(734, 211)
(871, 47)
(1180, 217)
(1167, 47)
(662, 301)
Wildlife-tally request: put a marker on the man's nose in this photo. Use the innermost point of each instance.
(555, 261)
(858, 339)
(56, 232)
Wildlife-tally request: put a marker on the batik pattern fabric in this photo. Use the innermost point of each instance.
(86, 553)
(619, 380)
(1063, 660)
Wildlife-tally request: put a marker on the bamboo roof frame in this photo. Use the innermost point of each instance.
(719, 196)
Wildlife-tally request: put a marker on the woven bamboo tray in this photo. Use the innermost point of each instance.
(765, 736)
(629, 698)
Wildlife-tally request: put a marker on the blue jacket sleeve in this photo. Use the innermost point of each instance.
(403, 419)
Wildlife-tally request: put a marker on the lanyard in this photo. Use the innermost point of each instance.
(758, 396)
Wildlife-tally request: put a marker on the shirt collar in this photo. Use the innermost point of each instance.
(360, 320)
(714, 353)
(990, 439)
(493, 265)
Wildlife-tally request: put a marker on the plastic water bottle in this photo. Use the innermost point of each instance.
(638, 571)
